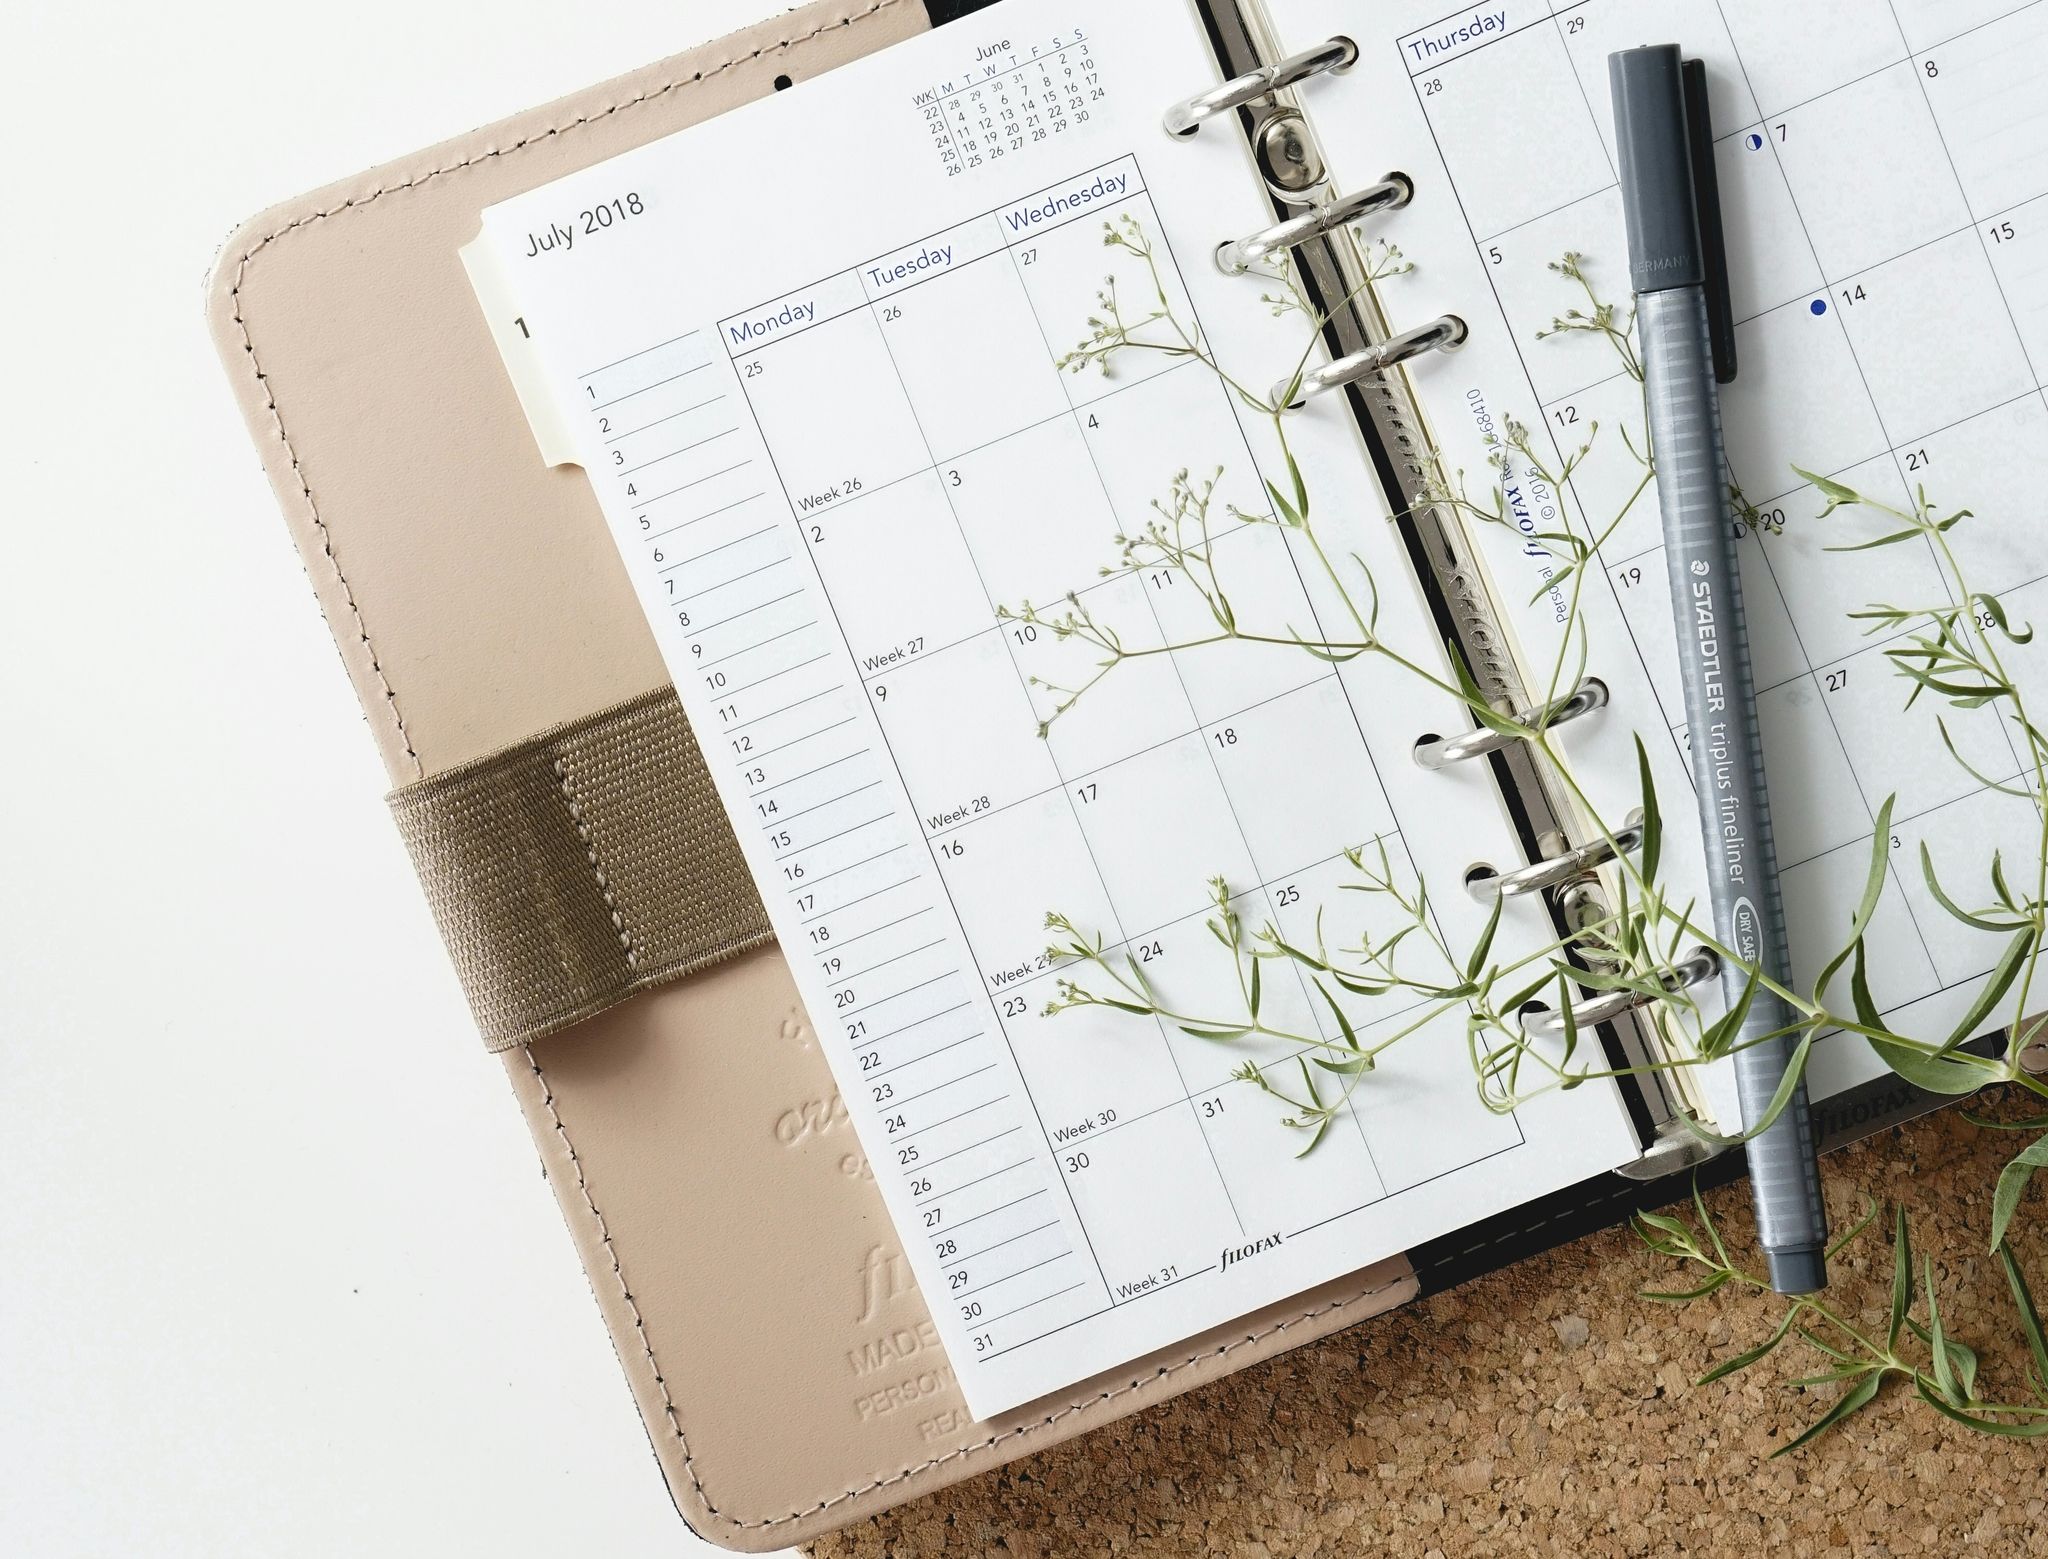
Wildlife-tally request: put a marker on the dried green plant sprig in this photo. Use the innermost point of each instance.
(1943, 650)
(1859, 1357)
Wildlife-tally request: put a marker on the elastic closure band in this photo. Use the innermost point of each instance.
(578, 867)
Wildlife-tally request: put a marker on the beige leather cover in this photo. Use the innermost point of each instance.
(786, 1368)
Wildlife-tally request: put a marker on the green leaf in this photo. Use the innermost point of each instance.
(1484, 945)
(1937, 1339)
(1986, 1123)
(2030, 1318)
(2025, 1429)
(1742, 1361)
(1994, 608)
(1343, 1022)
(1517, 1000)
(1795, 1072)
(1962, 1358)
(1666, 1222)
(2003, 973)
(1300, 955)
(1724, 1029)
(1835, 493)
(1350, 1066)
(1653, 822)
(1475, 700)
(1323, 651)
(1954, 909)
(1889, 539)
(1308, 1081)
(1828, 487)
(1873, 887)
(1936, 1074)
(1300, 487)
(1125, 1006)
(1856, 1398)
(1220, 1036)
(1322, 1126)
(1706, 1288)
(1902, 1277)
(1286, 510)
(1699, 1207)
(1568, 1010)
(1842, 1242)
(1254, 996)
(1966, 1367)
(1998, 883)
(2012, 1185)
(1966, 695)
(1814, 1341)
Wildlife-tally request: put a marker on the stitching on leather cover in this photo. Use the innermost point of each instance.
(348, 594)
(547, 1094)
(1035, 1426)
(648, 96)
(1057, 1414)
(604, 1233)
(604, 885)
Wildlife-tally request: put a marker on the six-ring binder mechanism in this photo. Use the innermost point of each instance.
(1313, 233)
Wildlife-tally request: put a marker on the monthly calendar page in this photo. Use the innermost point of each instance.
(810, 353)
(1883, 167)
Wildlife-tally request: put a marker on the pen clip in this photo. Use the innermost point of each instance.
(1706, 192)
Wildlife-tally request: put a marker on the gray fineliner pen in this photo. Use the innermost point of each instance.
(1671, 273)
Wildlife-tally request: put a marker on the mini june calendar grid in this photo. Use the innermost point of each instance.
(1883, 167)
(831, 439)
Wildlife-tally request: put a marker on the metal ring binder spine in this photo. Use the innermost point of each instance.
(1486, 884)
(1440, 752)
(1443, 334)
(1331, 269)
(1189, 115)
(1389, 194)
(1697, 968)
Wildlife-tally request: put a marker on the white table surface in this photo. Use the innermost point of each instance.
(255, 1296)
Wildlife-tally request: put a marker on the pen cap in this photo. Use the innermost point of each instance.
(1657, 200)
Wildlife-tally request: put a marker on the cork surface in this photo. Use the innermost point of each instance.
(1547, 1409)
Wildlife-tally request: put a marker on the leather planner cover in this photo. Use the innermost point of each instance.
(784, 1364)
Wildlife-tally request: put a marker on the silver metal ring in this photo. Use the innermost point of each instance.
(1444, 334)
(1440, 752)
(1186, 117)
(1695, 968)
(1485, 884)
(1241, 254)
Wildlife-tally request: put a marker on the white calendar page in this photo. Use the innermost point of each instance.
(1884, 176)
(809, 352)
